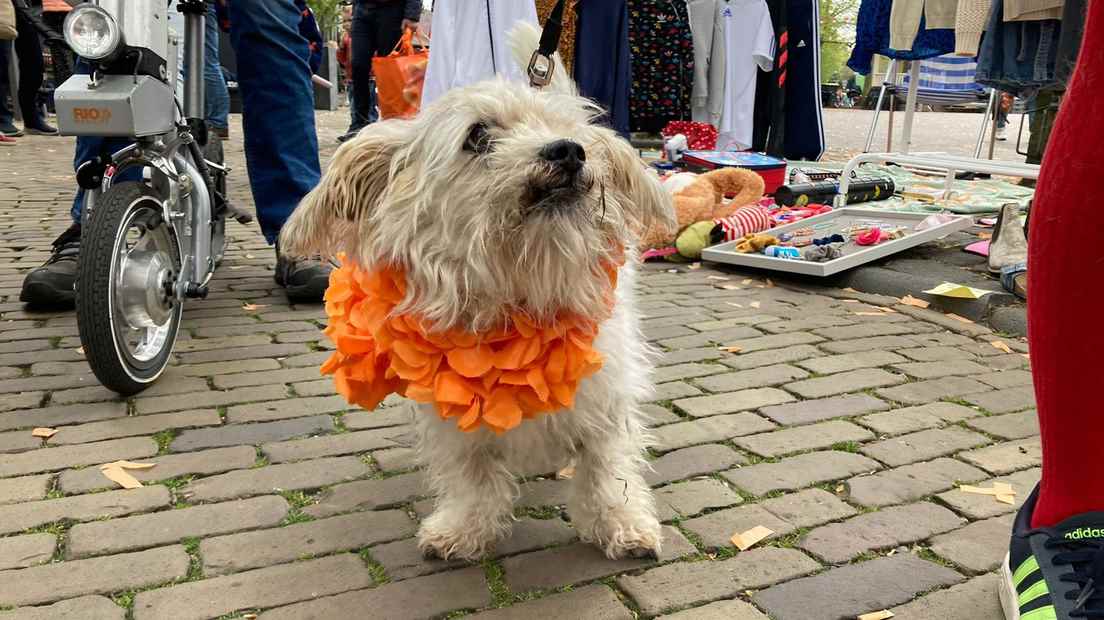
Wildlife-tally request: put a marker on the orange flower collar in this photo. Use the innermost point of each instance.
(495, 379)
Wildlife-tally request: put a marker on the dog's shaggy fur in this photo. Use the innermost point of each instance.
(462, 200)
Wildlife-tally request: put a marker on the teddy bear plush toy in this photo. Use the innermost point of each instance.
(701, 199)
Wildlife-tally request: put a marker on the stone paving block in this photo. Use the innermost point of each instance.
(60, 416)
(923, 445)
(48, 383)
(313, 359)
(888, 343)
(287, 408)
(579, 562)
(412, 599)
(402, 559)
(850, 361)
(200, 400)
(1011, 361)
(922, 392)
(266, 377)
(18, 517)
(264, 587)
(250, 434)
(269, 351)
(64, 580)
(171, 526)
(703, 339)
(204, 462)
(716, 528)
(839, 542)
(1008, 426)
(937, 354)
(53, 459)
(692, 583)
(784, 355)
(800, 471)
(363, 420)
(333, 445)
(1005, 401)
(845, 382)
(220, 369)
(732, 402)
(743, 319)
(813, 437)
(911, 482)
(18, 441)
(976, 599)
(190, 345)
(705, 430)
(24, 489)
(773, 342)
(686, 371)
(234, 553)
(848, 591)
(396, 459)
(284, 477)
(809, 411)
(595, 602)
(22, 401)
(658, 416)
(1006, 379)
(911, 419)
(318, 387)
(548, 492)
(135, 425)
(690, 462)
(979, 547)
(369, 494)
(945, 368)
(682, 356)
(80, 608)
(977, 506)
(674, 389)
(764, 376)
(669, 332)
(808, 508)
(24, 551)
(1005, 458)
(721, 610)
(691, 497)
(810, 323)
(873, 330)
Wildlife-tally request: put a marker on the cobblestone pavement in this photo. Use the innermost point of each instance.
(843, 424)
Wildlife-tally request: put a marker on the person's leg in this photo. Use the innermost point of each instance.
(217, 95)
(7, 128)
(364, 47)
(28, 47)
(60, 53)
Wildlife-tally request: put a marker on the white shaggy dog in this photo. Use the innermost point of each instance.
(496, 198)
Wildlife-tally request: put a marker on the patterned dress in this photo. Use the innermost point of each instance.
(662, 63)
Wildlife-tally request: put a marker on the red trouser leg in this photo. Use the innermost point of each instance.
(1066, 289)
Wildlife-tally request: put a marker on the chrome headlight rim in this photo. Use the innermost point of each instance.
(114, 32)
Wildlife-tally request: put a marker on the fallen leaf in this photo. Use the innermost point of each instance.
(721, 278)
(909, 300)
(120, 477)
(252, 307)
(747, 282)
(877, 615)
(44, 432)
(747, 540)
(80, 350)
(694, 266)
(672, 271)
(734, 305)
(868, 313)
(1001, 491)
(754, 304)
(249, 617)
(851, 301)
(850, 290)
(770, 283)
(887, 310)
(249, 256)
(130, 465)
(1001, 346)
(959, 318)
(985, 236)
(1007, 499)
(727, 287)
(567, 473)
(891, 552)
(730, 349)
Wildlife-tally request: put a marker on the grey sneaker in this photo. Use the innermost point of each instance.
(304, 279)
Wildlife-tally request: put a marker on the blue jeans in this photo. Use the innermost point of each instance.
(217, 95)
(1018, 57)
(281, 146)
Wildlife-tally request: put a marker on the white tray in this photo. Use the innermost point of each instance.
(853, 255)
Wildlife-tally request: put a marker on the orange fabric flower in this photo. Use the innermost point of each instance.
(495, 379)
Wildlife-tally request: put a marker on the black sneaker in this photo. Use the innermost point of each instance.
(1054, 573)
(52, 283)
(10, 130)
(40, 129)
(303, 279)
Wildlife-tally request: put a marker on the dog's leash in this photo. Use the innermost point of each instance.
(541, 65)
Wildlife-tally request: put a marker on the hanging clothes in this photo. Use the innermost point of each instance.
(709, 60)
(873, 38)
(804, 136)
(1032, 10)
(770, 93)
(970, 20)
(1069, 44)
(1018, 57)
(470, 43)
(662, 48)
(568, 33)
(904, 19)
(603, 63)
(745, 31)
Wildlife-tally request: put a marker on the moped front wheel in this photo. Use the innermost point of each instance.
(126, 312)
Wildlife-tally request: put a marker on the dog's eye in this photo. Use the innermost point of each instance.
(478, 140)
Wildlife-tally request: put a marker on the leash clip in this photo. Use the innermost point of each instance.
(541, 68)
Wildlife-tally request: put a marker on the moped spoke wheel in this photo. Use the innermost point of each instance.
(126, 313)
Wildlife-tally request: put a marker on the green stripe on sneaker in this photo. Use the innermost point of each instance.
(1037, 589)
(1030, 565)
(1042, 613)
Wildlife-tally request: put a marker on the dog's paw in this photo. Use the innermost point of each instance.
(626, 536)
(443, 543)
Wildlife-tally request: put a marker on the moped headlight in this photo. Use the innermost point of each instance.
(92, 32)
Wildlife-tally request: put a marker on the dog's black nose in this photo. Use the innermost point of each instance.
(566, 154)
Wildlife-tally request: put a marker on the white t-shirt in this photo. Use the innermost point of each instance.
(748, 34)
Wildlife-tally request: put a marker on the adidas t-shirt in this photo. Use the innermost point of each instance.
(748, 36)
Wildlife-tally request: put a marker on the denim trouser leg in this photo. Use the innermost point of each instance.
(281, 146)
(217, 95)
(5, 112)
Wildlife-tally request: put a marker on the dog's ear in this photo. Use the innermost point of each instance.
(647, 206)
(330, 219)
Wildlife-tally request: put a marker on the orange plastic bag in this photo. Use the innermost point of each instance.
(399, 79)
